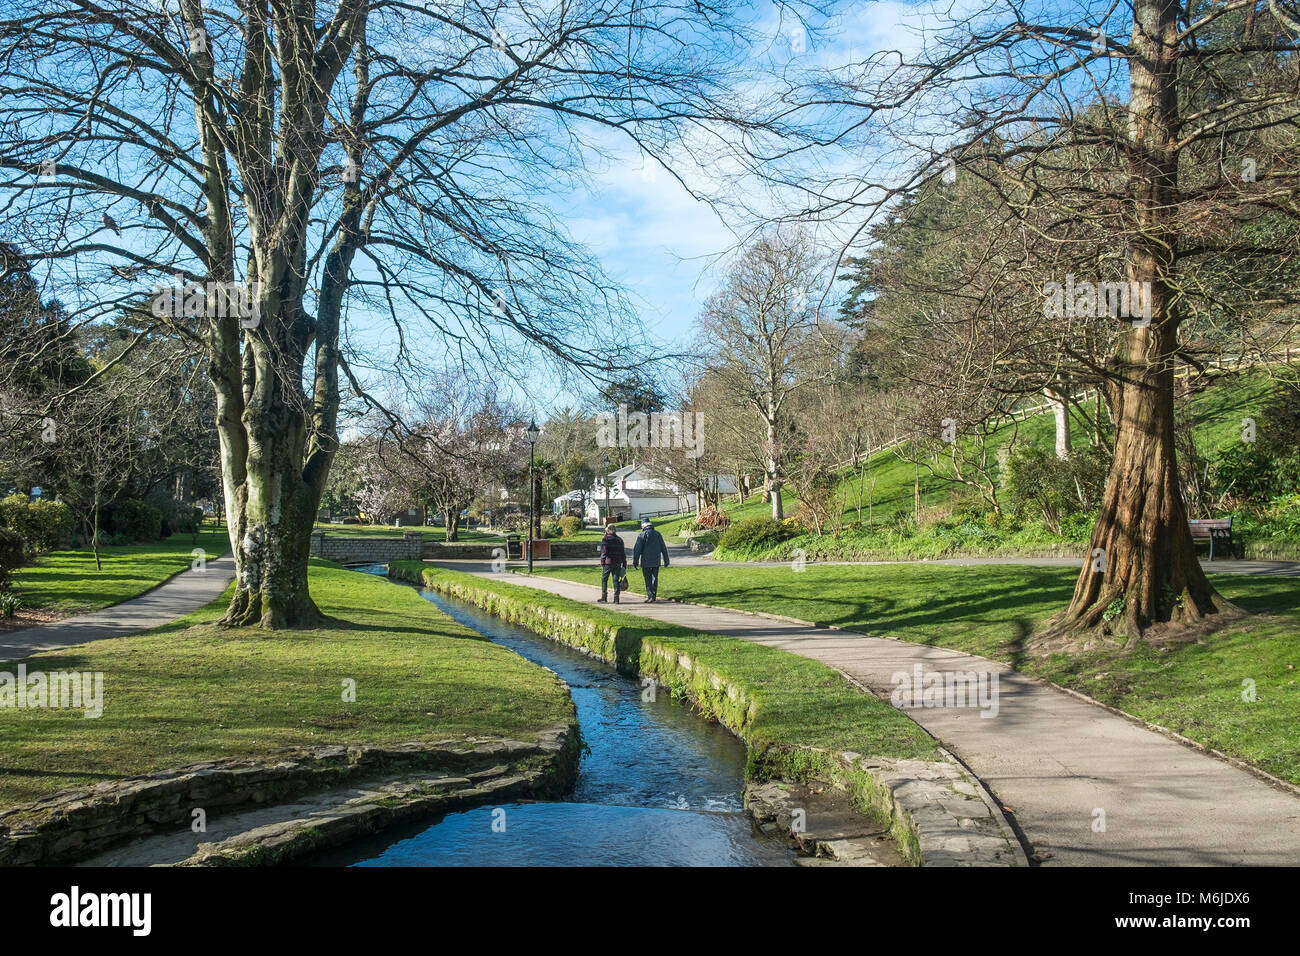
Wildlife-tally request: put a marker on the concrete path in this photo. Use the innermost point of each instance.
(1064, 767)
(177, 596)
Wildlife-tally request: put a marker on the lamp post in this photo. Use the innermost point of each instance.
(532, 433)
(607, 488)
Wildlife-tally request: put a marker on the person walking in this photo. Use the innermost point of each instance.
(649, 549)
(613, 562)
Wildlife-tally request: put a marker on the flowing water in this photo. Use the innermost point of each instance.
(659, 787)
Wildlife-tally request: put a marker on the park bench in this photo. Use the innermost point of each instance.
(1212, 530)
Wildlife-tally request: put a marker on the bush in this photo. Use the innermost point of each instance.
(754, 534)
(178, 518)
(134, 520)
(1036, 480)
(11, 555)
(42, 524)
(569, 525)
(550, 529)
(10, 604)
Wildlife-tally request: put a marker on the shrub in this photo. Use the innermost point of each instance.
(550, 529)
(754, 534)
(42, 524)
(1036, 480)
(10, 604)
(11, 555)
(569, 525)
(178, 518)
(134, 520)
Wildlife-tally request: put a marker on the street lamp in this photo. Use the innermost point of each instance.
(607, 488)
(532, 433)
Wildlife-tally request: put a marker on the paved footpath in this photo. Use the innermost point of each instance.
(1053, 759)
(177, 596)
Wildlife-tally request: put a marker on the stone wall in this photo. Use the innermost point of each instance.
(74, 824)
(486, 551)
(346, 549)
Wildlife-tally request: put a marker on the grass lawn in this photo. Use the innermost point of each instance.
(1195, 689)
(66, 582)
(798, 701)
(193, 691)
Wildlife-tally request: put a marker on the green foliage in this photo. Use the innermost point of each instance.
(11, 555)
(42, 524)
(1036, 480)
(178, 518)
(755, 533)
(10, 604)
(1263, 462)
(569, 525)
(134, 520)
(550, 529)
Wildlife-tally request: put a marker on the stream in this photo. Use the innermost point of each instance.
(660, 786)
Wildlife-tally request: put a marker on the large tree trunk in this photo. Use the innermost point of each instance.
(272, 512)
(1142, 554)
(1142, 561)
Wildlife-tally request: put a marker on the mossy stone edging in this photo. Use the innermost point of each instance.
(934, 811)
(77, 823)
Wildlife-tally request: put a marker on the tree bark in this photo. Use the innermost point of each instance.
(1056, 395)
(271, 517)
(773, 472)
(1142, 559)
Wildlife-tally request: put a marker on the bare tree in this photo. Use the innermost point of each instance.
(764, 340)
(284, 163)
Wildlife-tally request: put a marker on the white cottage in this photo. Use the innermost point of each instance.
(634, 491)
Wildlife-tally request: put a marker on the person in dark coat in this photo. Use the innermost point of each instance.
(649, 552)
(613, 562)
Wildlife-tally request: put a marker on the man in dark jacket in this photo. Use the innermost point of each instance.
(649, 550)
(613, 561)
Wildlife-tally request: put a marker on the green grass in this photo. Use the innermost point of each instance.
(66, 582)
(194, 691)
(1194, 689)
